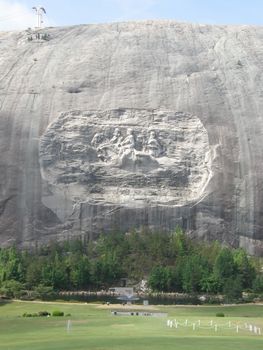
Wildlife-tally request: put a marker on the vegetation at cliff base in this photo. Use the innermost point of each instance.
(170, 263)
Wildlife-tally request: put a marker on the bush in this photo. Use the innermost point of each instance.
(43, 313)
(57, 313)
(39, 314)
(220, 314)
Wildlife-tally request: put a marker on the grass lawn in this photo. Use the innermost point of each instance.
(94, 327)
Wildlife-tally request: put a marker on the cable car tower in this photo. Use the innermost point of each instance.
(39, 13)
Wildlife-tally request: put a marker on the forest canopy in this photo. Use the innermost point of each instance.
(169, 262)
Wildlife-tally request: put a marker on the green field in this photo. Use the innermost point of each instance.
(94, 327)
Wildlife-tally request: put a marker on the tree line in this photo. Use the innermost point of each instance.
(170, 262)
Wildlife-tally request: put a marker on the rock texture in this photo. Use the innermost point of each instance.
(133, 158)
(126, 125)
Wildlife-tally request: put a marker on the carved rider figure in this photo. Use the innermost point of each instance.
(153, 146)
(97, 139)
(128, 144)
(110, 148)
(116, 138)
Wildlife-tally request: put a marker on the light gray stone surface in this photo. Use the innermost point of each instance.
(67, 105)
(133, 158)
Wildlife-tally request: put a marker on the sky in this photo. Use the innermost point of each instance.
(18, 14)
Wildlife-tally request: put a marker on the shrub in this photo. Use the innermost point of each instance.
(220, 314)
(43, 313)
(57, 313)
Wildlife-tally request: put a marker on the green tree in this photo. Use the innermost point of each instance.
(224, 267)
(44, 292)
(106, 270)
(11, 288)
(210, 284)
(258, 284)
(244, 267)
(80, 276)
(160, 279)
(176, 273)
(195, 269)
(59, 274)
(232, 289)
(33, 273)
(179, 245)
(11, 265)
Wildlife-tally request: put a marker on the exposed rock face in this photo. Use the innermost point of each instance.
(126, 125)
